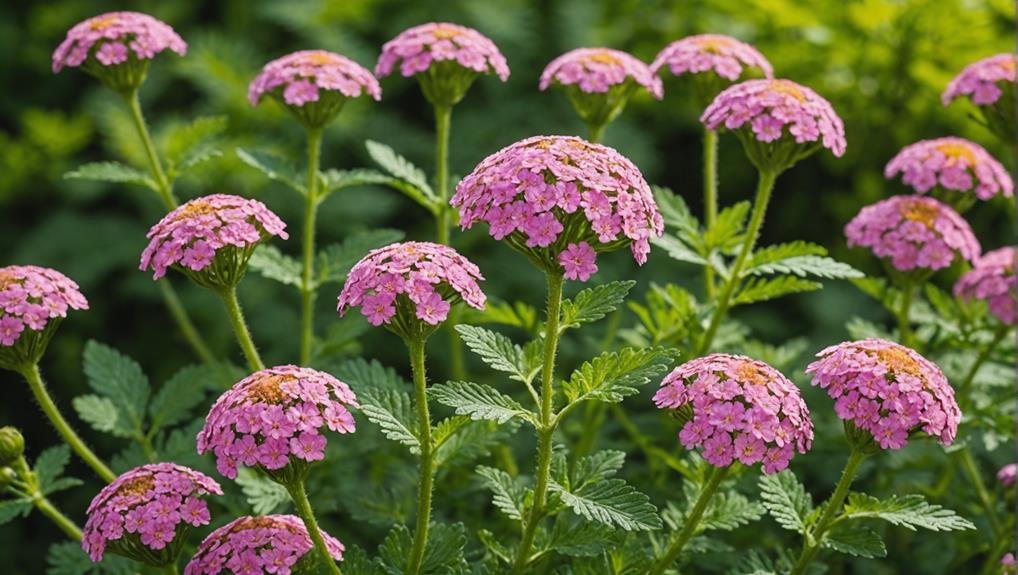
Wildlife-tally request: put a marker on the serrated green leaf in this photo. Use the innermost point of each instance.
(729, 510)
(479, 401)
(470, 440)
(274, 168)
(597, 466)
(517, 314)
(611, 502)
(679, 250)
(102, 415)
(787, 500)
(334, 262)
(575, 538)
(806, 266)
(771, 254)
(594, 303)
(408, 178)
(726, 233)
(612, 376)
(676, 214)
(499, 352)
(182, 141)
(179, 395)
(270, 262)
(393, 412)
(442, 554)
(858, 541)
(50, 464)
(68, 558)
(263, 495)
(508, 493)
(908, 511)
(334, 180)
(366, 377)
(760, 289)
(114, 172)
(118, 378)
(12, 508)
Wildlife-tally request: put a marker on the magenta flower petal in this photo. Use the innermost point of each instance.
(112, 37)
(253, 545)
(1007, 475)
(723, 55)
(299, 77)
(415, 49)
(980, 81)
(596, 70)
(952, 164)
(992, 279)
(32, 296)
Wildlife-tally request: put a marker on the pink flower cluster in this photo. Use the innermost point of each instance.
(597, 70)
(769, 106)
(146, 505)
(274, 415)
(1008, 563)
(953, 164)
(742, 409)
(428, 275)
(532, 189)
(1008, 474)
(30, 296)
(888, 390)
(302, 75)
(723, 55)
(256, 545)
(992, 279)
(913, 232)
(980, 80)
(415, 49)
(113, 37)
(190, 235)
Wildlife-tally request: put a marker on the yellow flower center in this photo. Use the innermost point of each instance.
(603, 57)
(319, 59)
(6, 278)
(955, 152)
(899, 361)
(102, 22)
(194, 208)
(137, 486)
(267, 390)
(748, 372)
(714, 45)
(787, 88)
(443, 32)
(921, 212)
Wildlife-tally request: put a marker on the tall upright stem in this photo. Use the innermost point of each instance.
(187, 328)
(171, 569)
(963, 388)
(229, 297)
(813, 539)
(303, 508)
(443, 119)
(763, 196)
(904, 325)
(416, 348)
(34, 379)
(717, 474)
(162, 183)
(710, 194)
(972, 470)
(307, 288)
(547, 429)
(44, 505)
(595, 132)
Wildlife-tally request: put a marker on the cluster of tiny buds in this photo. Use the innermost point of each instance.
(417, 49)
(272, 544)
(725, 56)
(31, 297)
(992, 279)
(952, 164)
(597, 70)
(115, 37)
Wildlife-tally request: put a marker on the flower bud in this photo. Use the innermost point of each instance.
(12, 445)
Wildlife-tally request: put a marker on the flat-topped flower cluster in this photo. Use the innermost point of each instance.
(146, 505)
(741, 409)
(254, 545)
(31, 296)
(417, 48)
(980, 80)
(888, 390)
(952, 164)
(725, 56)
(913, 232)
(275, 415)
(597, 70)
(992, 279)
(114, 37)
(299, 77)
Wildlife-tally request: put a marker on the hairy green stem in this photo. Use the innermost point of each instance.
(303, 508)
(595, 132)
(229, 297)
(971, 468)
(984, 355)
(49, 510)
(307, 288)
(710, 195)
(172, 569)
(717, 474)
(547, 429)
(443, 119)
(34, 379)
(765, 186)
(184, 322)
(416, 347)
(811, 545)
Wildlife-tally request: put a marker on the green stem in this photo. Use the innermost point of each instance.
(763, 196)
(904, 326)
(710, 194)
(717, 474)
(162, 183)
(811, 544)
(229, 297)
(972, 470)
(171, 569)
(416, 347)
(547, 429)
(984, 355)
(49, 510)
(595, 132)
(34, 379)
(307, 288)
(303, 508)
(187, 328)
(443, 119)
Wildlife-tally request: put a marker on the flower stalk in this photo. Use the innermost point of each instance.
(415, 345)
(303, 507)
(710, 194)
(229, 297)
(29, 484)
(714, 479)
(307, 288)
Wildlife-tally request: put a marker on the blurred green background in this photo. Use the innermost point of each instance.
(881, 63)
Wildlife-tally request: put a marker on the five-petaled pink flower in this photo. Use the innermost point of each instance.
(276, 544)
(578, 261)
(952, 164)
(114, 38)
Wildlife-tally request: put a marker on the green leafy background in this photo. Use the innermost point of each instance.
(882, 64)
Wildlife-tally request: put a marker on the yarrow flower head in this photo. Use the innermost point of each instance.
(210, 239)
(1008, 564)
(313, 84)
(116, 47)
(557, 198)
(1008, 474)
(913, 233)
(273, 420)
(779, 122)
(277, 544)
(145, 514)
(952, 164)
(599, 81)
(411, 286)
(33, 300)
(714, 61)
(735, 408)
(992, 279)
(990, 85)
(886, 393)
(446, 58)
